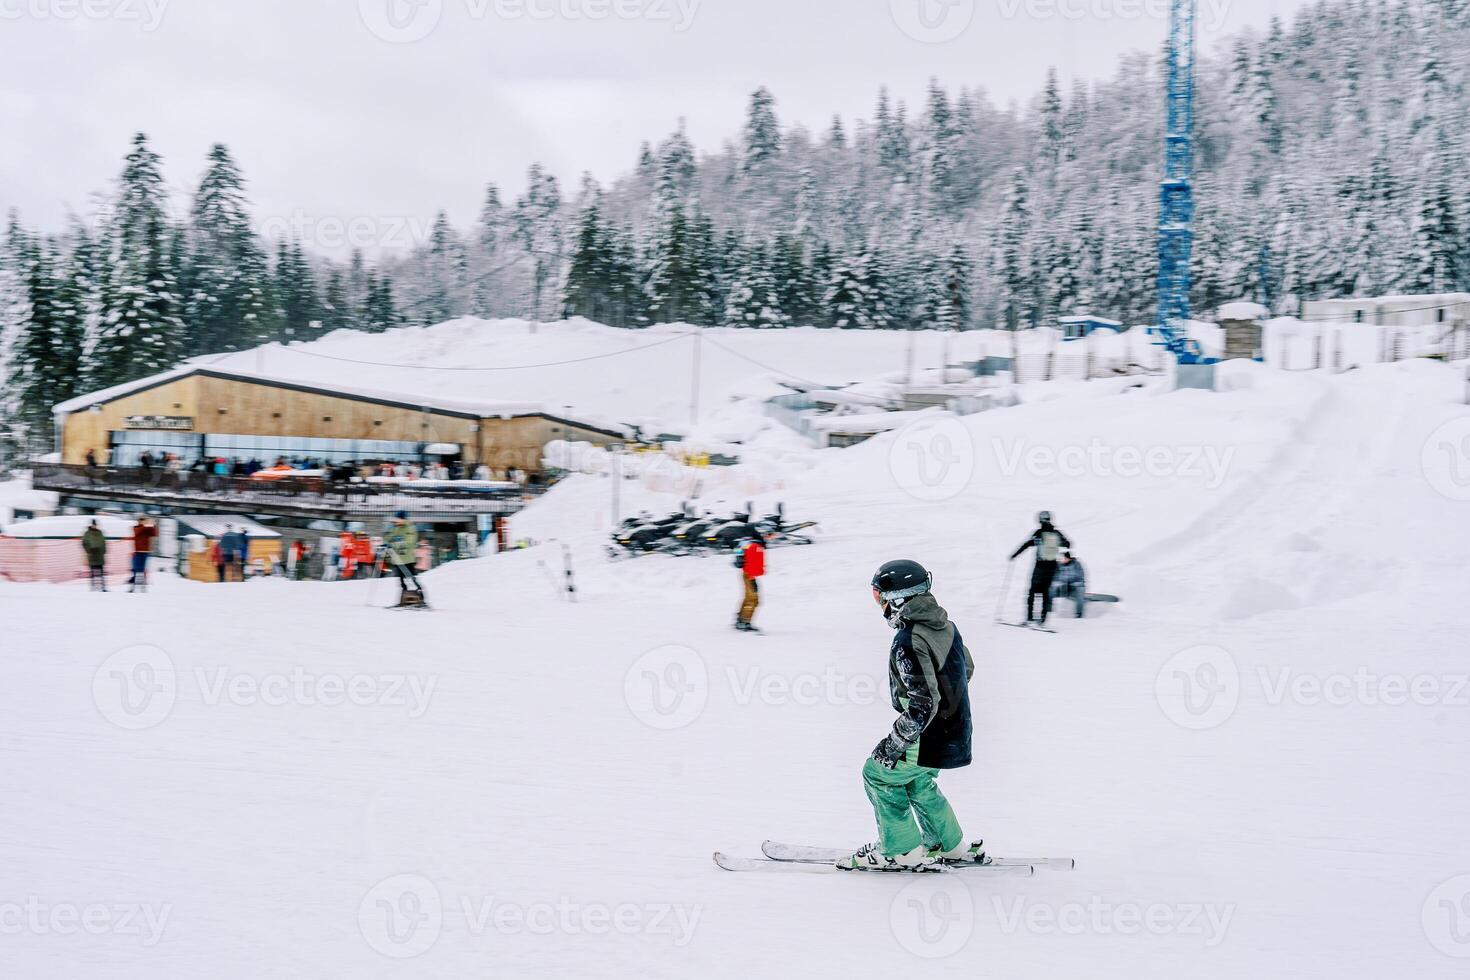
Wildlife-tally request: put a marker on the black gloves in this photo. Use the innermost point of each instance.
(889, 752)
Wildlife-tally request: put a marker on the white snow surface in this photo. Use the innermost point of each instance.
(521, 807)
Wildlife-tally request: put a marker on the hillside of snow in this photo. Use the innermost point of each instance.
(1257, 758)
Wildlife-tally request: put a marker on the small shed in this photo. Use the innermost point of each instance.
(1242, 324)
(1079, 327)
(49, 549)
(199, 533)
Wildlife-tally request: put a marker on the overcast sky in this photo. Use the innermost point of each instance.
(386, 110)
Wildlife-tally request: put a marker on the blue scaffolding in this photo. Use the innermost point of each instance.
(1176, 191)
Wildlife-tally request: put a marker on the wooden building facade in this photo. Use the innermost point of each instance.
(203, 412)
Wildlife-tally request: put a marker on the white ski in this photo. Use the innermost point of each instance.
(1025, 626)
(769, 866)
(802, 854)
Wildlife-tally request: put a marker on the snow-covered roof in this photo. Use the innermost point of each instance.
(1090, 319)
(69, 526)
(468, 409)
(478, 409)
(1243, 311)
(213, 525)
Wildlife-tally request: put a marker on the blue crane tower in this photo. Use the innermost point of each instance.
(1176, 191)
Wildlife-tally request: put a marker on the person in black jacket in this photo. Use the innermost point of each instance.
(929, 671)
(1048, 542)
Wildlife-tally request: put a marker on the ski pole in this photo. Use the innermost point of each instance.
(373, 581)
(1005, 588)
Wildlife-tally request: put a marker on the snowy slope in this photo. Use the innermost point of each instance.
(544, 801)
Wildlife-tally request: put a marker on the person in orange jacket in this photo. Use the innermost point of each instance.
(348, 551)
(750, 558)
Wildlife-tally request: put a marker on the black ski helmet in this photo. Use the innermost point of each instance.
(902, 579)
(1044, 517)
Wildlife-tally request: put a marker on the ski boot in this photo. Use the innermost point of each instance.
(973, 853)
(870, 857)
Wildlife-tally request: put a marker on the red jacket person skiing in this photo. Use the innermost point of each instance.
(929, 673)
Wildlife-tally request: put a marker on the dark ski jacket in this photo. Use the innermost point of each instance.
(1069, 575)
(94, 543)
(1043, 544)
(929, 673)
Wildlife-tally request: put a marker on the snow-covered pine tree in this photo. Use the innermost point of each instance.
(762, 142)
(46, 359)
(754, 300)
(227, 303)
(536, 227)
(142, 329)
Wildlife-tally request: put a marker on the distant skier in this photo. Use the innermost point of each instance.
(143, 535)
(751, 560)
(1071, 582)
(94, 546)
(400, 544)
(1048, 542)
(929, 672)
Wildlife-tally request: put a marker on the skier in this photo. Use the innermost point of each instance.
(1048, 542)
(751, 560)
(94, 545)
(400, 542)
(143, 534)
(929, 671)
(1071, 582)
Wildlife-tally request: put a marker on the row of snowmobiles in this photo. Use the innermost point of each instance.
(688, 533)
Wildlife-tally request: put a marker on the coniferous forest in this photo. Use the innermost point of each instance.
(1330, 161)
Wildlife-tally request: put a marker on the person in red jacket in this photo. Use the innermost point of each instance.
(750, 558)
(143, 535)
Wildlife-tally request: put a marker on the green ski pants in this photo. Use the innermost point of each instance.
(898, 796)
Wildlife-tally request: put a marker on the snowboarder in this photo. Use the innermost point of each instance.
(143, 534)
(1048, 542)
(929, 671)
(400, 542)
(751, 560)
(94, 545)
(1071, 582)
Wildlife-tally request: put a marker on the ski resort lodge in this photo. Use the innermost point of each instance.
(199, 412)
(170, 446)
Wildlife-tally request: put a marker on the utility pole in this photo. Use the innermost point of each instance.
(695, 371)
(616, 470)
